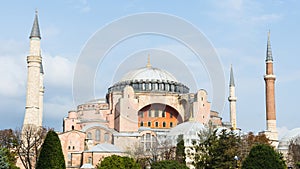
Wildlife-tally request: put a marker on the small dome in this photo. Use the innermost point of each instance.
(148, 73)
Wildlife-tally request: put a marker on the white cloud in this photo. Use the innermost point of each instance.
(58, 71)
(282, 131)
(13, 76)
(266, 18)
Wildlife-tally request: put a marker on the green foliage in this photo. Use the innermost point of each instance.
(250, 140)
(118, 162)
(217, 151)
(263, 156)
(180, 150)
(7, 157)
(51, 156)
(168, 164)
(4, 163)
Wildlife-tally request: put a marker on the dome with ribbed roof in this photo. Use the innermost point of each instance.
(152, 79)
(149, 73)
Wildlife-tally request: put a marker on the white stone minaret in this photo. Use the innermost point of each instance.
(35, 87)
(232, 100)
(271, 131)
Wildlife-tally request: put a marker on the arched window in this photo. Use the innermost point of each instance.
(149, 124)
(156, 124)
(97, 135)
(163, 114)
(171, 124)
(156, 113)
(89, 135)
(106, 137)
(164, 124)
(72, 127)
(142, 124)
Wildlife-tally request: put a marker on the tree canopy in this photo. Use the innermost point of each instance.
(118, 162)
(263, 156)
(217, 150)
(168, 164)
(51, 156)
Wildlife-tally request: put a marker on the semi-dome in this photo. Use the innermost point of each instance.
(149, 73)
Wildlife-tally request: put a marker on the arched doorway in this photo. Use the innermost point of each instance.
(158, 116)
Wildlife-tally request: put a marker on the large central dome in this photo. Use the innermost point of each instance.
(148, 79)
(148, 73)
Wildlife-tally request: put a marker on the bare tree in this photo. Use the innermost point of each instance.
(294, 152)
(30, 139)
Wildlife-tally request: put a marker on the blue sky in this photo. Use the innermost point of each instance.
(236, 28)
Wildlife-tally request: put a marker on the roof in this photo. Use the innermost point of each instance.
(148, 73)
(105, 148)
(231, 83)
(35, 31)
(87, 165)
(186, 128)
(269, 51)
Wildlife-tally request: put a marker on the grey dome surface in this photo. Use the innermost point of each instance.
(148, 73)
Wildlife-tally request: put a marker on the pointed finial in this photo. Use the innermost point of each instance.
(231, 82)
(148, 63)
(35, 31)
(269, 51)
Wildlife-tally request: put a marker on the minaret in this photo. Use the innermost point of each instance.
(271, 131)
(35, 88)
(232, 100)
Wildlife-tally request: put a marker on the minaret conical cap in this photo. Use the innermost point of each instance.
(35, 31)
(231, 82)
(269, 51)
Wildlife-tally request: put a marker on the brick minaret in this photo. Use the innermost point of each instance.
(271, 131)
(232, 100)
(35, 88)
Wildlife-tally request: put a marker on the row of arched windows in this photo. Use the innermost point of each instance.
(98, 136)
(148, 124)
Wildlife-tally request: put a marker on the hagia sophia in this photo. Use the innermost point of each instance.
(144, 109)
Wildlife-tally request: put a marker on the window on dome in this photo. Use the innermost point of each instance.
(156, 113)
(149, 113)
(163, 114)
(171, 115)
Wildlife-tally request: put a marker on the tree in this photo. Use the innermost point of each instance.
(51, 156)
(248, 141)
(180, 150)
(263, 156)
(4, 163)
(118, 162)
(294, 152)
(168, 164)
(217, 151)
(29, 141)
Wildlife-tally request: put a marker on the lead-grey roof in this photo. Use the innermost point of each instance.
(105, 148)
(269, 51)
(231, 82)
(35, 31)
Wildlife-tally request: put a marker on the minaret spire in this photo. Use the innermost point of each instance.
(269, 50)
(231, 82)
(35, 31)
(148, 62)
(232, 100)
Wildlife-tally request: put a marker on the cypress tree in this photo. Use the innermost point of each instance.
(51, 156)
